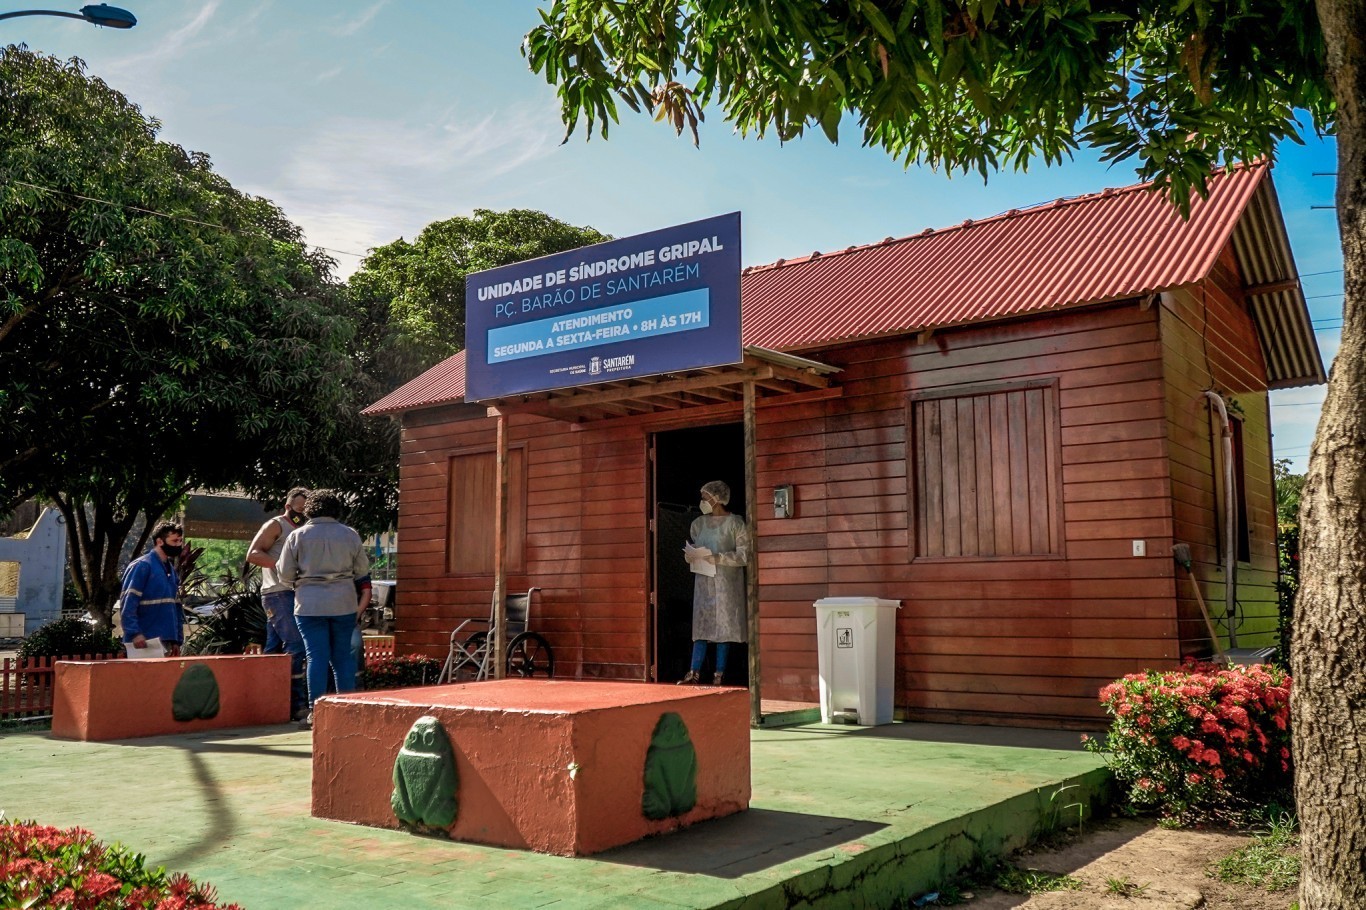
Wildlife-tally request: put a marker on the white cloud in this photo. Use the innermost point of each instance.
(147, 67)
(356, 183)
(347, 29)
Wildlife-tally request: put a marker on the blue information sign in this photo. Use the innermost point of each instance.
(655, 303)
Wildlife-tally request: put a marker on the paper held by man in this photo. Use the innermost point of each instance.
(697, 560)
(154, 649)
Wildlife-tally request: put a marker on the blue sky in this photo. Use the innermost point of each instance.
(367, 120)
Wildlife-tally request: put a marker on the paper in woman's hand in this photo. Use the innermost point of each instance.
(693, 554)
(698, 561)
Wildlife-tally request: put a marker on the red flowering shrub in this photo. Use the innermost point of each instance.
(67, 869)
(1202, 737)
(399, 672)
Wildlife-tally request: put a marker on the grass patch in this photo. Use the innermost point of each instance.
(1271, 861)
(25, 724)
(1032, 881)
(1000, 876)
(1124, 887)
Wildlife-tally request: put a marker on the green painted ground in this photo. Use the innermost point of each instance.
(840, 817)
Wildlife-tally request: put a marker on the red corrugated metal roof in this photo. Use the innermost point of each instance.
(442, 384)
(1105, 246)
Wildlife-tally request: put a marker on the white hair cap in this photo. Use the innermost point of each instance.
(718, 490)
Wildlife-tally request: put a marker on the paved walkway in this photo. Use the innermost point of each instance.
(840, 817)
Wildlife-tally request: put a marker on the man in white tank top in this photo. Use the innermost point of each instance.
(282, 634)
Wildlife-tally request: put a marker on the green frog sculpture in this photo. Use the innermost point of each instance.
(195, 696)
(670, 770)
(425, 780)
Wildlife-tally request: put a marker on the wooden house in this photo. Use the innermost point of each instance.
(1003, 424)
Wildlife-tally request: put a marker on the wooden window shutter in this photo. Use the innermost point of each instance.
(985, 471)
(470, 512)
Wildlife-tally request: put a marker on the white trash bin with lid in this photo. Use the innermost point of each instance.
(856, 640)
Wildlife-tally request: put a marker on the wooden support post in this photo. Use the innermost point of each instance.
(500, 533)
(756, 712)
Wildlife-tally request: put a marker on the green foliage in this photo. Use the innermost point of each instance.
(399, 672)
(159, 329)
(1271, 861)
(222, 557)
(412, 295)
(1199, 740)
(42, 866)
(1055, 824)
(1287, 587)
(1124, 887)
(1014, 880)
(68, 637)
(239, 619)
(1179, 85)
(1288, 489)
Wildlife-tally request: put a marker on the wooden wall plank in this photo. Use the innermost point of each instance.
(978, 634)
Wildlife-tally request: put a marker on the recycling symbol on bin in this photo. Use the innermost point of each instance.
(844, 638)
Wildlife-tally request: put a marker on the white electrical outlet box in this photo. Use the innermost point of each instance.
(1140, 548)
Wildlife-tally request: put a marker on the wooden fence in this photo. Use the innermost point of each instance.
(26, 684)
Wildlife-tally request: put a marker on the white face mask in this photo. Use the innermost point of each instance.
(705, 507)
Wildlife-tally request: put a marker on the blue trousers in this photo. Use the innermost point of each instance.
(699, 654)
(282, 634)
(327, 639)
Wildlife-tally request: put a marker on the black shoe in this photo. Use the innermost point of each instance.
(716, 679)
(693, 678)
(307, 722)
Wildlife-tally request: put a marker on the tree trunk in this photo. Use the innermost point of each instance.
(1328, 653)
(96, 531)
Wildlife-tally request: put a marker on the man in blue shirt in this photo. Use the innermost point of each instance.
(151, 592)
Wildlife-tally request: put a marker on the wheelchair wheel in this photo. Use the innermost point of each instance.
(529, 655)
(469, 669)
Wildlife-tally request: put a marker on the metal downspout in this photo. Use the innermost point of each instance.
(1230, 521)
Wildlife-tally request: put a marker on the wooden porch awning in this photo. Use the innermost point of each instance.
(771, 372)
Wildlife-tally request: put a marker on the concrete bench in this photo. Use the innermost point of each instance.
(126, 699)
(556, 766)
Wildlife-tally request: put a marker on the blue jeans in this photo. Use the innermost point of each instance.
(699, 654)
(327, 639)
(282, 634)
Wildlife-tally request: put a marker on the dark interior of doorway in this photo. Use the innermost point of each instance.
(684, 460)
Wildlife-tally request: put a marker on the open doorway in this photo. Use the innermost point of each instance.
(683, 461)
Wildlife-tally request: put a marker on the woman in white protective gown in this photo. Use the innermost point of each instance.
(718, 605)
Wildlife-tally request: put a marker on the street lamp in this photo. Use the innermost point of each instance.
(95, 14)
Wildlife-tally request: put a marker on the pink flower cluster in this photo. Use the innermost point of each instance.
(67, 869)
(1199, 735)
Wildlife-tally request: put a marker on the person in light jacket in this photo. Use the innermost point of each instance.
(322, 562)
